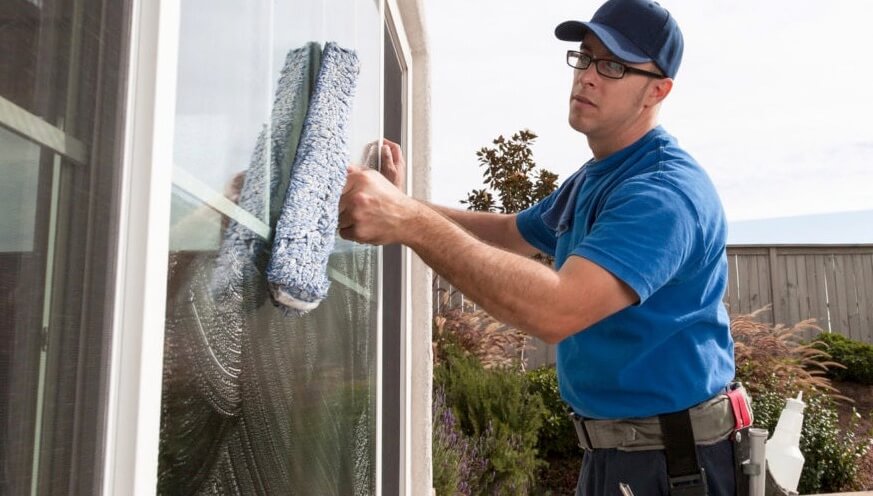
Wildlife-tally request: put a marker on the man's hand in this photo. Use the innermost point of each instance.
(393, 165)
(373, 211)
(233, 188)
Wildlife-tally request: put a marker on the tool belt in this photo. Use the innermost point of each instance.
(711, 420)
(677, 433)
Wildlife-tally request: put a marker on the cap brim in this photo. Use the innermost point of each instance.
(614, 41)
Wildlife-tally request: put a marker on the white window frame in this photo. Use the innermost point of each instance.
(397, 33)
(136, 360)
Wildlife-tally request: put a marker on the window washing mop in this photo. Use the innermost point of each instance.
(306, 229)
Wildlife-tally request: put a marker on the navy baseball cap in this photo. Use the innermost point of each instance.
(635, 31)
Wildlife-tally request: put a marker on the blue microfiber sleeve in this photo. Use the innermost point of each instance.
(306, 229)
(216, 308)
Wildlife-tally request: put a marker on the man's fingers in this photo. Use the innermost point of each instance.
(396, 152)
(346, 233)
(387, 157)
(351, 178)
(345, 220)
(389, 168)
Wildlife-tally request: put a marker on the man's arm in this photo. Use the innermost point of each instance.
(517, 290)
(499, 230)
(514, 289)
(496, 229)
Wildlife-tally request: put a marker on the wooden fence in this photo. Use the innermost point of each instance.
(830, 283)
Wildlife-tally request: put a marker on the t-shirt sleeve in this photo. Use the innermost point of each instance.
(532, 228)
(644, 235)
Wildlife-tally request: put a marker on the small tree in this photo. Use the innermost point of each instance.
(509, 172)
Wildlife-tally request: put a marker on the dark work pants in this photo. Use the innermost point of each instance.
(646, 471)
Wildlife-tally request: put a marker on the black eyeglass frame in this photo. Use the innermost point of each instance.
(625, 68)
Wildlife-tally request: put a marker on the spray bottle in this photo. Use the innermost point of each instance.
(784, 459)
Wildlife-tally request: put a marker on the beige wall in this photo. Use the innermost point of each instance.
(420, 361)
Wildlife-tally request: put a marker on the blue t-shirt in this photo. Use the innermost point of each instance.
(650, 215)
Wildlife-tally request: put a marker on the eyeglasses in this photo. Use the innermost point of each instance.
(611, 69)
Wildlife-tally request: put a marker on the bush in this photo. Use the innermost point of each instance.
(831, 454)
(558, 436)
(857, 357)
(775, 365)
(457, 463)
(497, 408)
(474, 332)
(557, 443)
(764, 352)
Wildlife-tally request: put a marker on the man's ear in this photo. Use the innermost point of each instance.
(659, 90)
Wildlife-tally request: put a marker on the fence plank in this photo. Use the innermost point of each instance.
(842, 307)
(753, 295)
(792, 297)
(852, 297)
(803, 287)
(733, 302)
(867, 281)
(812, 289)
(748, 271)
(817, 298)
(776, 269)
(539, 354)
(764, 284)
(861, 296)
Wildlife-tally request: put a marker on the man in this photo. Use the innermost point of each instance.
(638, 235)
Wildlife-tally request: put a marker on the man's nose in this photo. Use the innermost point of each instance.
(588, 75)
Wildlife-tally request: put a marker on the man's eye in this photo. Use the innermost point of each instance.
(614, 67)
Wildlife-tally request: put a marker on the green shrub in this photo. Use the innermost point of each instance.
(774, 364)
(856, 356)
(831, 454)
(457, 463)
(496, 407)
(557, 444)
(558, 436)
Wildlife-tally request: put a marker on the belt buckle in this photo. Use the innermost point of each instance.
(689, 485)
(582, 432)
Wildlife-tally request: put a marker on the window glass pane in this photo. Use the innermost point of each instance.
(60, 84)
(20, 172)
(255, 400)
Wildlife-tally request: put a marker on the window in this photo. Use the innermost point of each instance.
(253, 400)
(60, 125)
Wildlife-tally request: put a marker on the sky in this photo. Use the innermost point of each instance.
(773, 98)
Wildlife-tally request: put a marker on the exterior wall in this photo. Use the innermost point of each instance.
(419, 325)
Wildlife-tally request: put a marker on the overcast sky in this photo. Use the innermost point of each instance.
(774, 98)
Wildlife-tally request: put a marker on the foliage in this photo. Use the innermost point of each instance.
(497, 408)
(509, 169)
(457, 463)
(557, 444)
(558, 436)
(831, 454)
(775, 365)
(478, 334)
(763, 351)
(857, 357)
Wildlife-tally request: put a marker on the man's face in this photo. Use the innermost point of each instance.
(600, 106)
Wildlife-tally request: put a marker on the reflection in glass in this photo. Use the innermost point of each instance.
(254, 401)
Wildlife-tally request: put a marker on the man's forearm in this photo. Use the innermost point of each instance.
(493, 228)
(512, 288)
